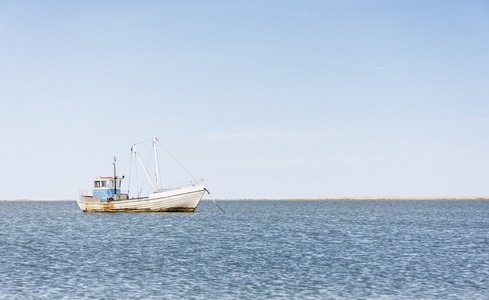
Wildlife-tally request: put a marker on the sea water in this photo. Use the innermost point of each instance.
(254, 250)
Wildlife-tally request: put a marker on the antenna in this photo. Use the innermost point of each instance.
(115, 179)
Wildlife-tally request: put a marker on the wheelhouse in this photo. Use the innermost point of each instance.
(106, 187)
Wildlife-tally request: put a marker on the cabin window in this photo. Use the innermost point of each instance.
(119, 183)
(96, 184)
(104, 183)
(111, 183)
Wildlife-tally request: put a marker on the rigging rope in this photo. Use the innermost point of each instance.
(176, 160)
(143, 142)
(137, 178)
(149, 160)
(122, 164)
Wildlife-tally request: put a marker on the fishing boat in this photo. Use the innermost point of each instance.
(107, 196)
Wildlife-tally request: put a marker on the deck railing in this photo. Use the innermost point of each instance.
(86, 192)
(182, 184)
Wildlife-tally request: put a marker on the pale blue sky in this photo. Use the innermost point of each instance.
(262, 99)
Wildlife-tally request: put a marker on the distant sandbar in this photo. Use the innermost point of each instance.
(372, 198)
(43, 200)
(324, 198)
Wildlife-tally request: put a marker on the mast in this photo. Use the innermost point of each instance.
(129, 179)
(144, 168)
(156, 165)
(115, 179)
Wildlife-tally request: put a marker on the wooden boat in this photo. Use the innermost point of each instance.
(106, 195)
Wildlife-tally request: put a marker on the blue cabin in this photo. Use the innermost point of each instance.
(106, 188)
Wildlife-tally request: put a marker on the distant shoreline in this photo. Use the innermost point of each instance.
(365, 198)
(306, 199)
(31, 200)
(397, 198)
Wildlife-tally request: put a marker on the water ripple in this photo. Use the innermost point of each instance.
(257, 249)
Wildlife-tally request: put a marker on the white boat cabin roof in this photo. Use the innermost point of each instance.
(107, 178)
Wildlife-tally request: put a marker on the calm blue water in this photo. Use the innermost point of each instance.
(255, 250)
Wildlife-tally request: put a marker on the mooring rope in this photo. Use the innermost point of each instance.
(213, 199)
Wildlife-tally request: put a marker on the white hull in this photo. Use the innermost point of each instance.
(178, 200)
